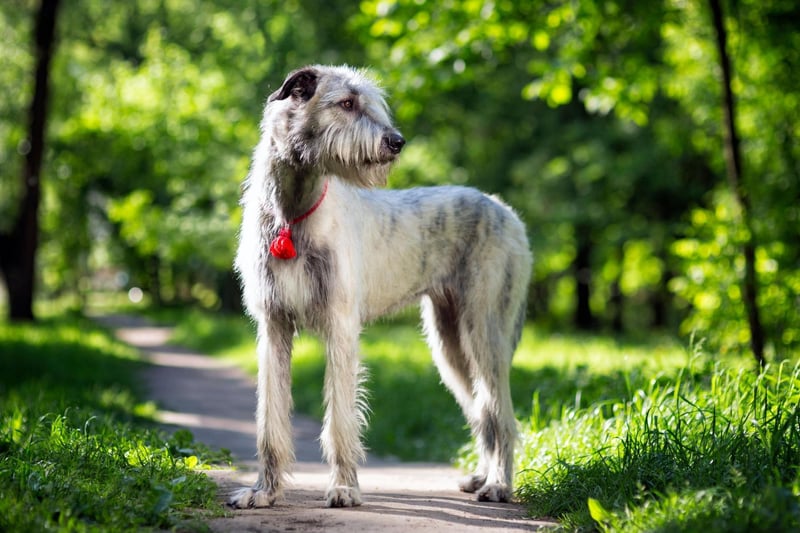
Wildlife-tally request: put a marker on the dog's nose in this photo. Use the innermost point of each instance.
(395, 142)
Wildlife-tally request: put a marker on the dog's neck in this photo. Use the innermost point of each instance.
(293, 190)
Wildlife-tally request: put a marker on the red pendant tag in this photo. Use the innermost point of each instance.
(282, 246)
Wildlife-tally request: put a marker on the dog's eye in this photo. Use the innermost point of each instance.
(347, 104)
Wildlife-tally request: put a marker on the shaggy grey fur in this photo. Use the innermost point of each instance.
(362, 253)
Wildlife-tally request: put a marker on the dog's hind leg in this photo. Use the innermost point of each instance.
(344, 415)
(274, 427)
(496, 434)
(440, 315)
(493, 424)
(440, 321)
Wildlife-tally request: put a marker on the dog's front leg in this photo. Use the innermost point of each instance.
(274, 426)
(344, 415)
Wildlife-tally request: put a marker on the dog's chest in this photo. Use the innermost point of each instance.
(290, 285)
(302, 286)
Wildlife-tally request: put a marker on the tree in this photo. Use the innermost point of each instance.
(650, 69)
(733, 160)
(153, 126)
(550, 104)
(726, 252)
(599, 121)
(19, 245)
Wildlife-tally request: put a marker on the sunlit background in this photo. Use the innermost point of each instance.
(599, 121)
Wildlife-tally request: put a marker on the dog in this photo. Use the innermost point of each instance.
(320, 247)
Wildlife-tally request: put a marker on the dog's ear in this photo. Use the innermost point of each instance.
(301, 84)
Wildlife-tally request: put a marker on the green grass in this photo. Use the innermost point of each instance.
(616, 435)
(712, 449)
(77, 451)
(716, 448)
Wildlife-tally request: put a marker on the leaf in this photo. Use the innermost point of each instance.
(599, 513)
(164, 500)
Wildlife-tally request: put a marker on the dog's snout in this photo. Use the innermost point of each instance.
(395, 142)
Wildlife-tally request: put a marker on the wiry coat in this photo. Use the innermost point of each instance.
(363, 253)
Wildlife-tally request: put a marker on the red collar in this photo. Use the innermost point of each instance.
(282, 247)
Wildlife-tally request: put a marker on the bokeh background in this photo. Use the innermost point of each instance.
(602, 122)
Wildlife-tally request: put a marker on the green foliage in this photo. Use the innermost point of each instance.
(599, 121)
(155, 112)
(17, 64)
(497, 83)
(711, 264)
(74, 453)
(713, 267)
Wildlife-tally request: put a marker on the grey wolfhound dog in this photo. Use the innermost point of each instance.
(321, 248)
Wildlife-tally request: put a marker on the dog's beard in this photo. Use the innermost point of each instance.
(365, 174)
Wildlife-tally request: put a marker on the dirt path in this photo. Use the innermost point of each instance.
(216, 401)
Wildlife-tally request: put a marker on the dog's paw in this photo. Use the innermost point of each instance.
(471, 483)
(494, 492)
(247, 497)
(342, 496)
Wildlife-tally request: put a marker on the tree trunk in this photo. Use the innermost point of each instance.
(154, 279)
(582, 269)
(18, 246)
(661, 296)
(229, 292)
(616, 300)
(733, 161)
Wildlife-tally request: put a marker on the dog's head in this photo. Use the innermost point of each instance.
(334, 119)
